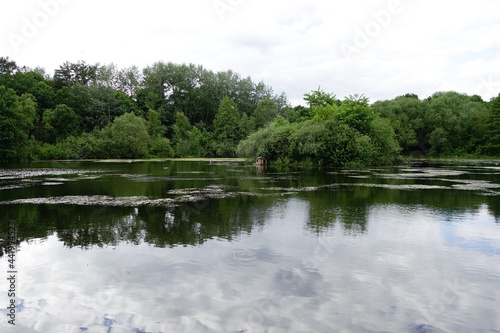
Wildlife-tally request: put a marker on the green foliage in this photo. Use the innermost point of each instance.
(447, 123)
(324, 112)
(320, 98)
(265, 112)
(257, 143)
(128, 136)
(356, 112)
(160, 147)
(247, 125)
(492, 137)
(17, 115)
(155, 128)
(31, 83)
(7, 66)
(329, 142)
(404, 114)
(86, 146)
(227, 128)
(189, 141)
(451, 121)
(298, 114)
(197, 92)
(70, 74)
(181, 128)
(61, 123)
(99, 104)
(100, 111)
(385, 144)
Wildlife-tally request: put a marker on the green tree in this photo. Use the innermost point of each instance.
(257, 144)
(7, 66)
(181, 129)
(405, 114)
(451, 121)
(298, 114)
(320, 98)
(324, 112)
(128, 136)
(34, 84)
(99, 104)
(70, 74)
(492, 146)
(61, 123)
(129, 80)
(385, 143)
(227, 128)
(264, 113)
(356, 112)
(17, 115)
(155, 128)
(199, 141)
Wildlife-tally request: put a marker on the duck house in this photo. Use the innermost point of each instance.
(261, 161)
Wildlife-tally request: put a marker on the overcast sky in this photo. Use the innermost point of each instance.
(380, 48)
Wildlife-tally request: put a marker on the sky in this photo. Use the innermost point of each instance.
(379, 48)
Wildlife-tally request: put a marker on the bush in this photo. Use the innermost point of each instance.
(330, 142)
(160, 147)
(128, 137)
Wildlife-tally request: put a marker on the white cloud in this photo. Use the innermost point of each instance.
(294, 45)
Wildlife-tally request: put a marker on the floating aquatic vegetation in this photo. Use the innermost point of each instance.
(402, 187)
(414, 173)
(361, 176)
(94, 200)
(253, 178)
(473, 185)
(190, 172)
(202, 190)
(41, 172)
(12, 187)
(197, 194)
(149, 179)
(59, 180)
(293, 189)
(181, 196)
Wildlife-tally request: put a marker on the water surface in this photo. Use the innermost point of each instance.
(219, 246)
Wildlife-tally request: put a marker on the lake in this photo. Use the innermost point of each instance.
(223, 246)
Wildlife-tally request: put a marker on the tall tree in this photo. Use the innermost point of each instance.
(70, 74)
(356, 112)
(7, 66)
(492, 146)
(227, 128)
(447, 120)
(61, 123)
(155, 128)
(265, 113)
(34, 84)
(320, 98)
(129, 137)
(17, 115)
(100, 104)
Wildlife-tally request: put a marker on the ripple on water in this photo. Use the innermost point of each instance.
(244, 255)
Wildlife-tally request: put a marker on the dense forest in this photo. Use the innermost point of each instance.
(87, 111)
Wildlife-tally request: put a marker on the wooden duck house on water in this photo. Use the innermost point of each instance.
(261, 161)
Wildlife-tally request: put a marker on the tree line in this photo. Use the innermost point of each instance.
(86, 111)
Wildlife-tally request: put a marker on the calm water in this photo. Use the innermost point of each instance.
(224, 247)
